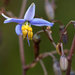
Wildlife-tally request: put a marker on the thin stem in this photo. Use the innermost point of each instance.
(21, 39)
(23, 8)
(48, 33)
(64, 31)
(70, 57)
(41, 31)
(42, 56)
(43, 67)
(22, 54)
(71, 22)
(53, 57)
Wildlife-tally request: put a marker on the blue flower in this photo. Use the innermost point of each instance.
(24, 25)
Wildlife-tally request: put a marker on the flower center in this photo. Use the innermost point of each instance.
(27, 31)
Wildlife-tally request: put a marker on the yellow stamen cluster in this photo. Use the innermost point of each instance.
(27, 31)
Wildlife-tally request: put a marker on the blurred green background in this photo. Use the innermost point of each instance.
(10, 63)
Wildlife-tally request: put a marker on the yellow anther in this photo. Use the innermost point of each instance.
(30, 35)
(27, 27)
(24, 33)
(27, 30)
(24, 27)
(30, 29)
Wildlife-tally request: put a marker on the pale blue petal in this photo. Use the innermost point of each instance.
(4, 16)
(18, 29)
(40, 22)
(30, 13)
(14, 20)
(28, 41)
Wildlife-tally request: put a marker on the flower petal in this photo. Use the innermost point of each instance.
(30, 13)
(40, 22)
(14, 20)
(18, 29)
(4, 16)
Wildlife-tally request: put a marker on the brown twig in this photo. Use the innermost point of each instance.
(21, 40)
(43, 67)
(20, 37)
(23, 8)
(70, 57)
(36, 42)
(41, 31)
(41, 56)
(64, 31)
(71, 22)
(48, 33)
(22, 54)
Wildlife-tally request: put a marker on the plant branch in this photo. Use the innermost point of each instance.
(64, 31)
(43, 67)
(70, 56)
(48, 33)
(22, 54)
(42, 56)
(21, 39)
(71, 22)
(22, 8)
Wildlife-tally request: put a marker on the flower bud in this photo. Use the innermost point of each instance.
(36, 42)
(73, 22)
(64, 35)
(36, 38)
(58, 49)
(56, 68)
(63, 63)
(74, 25)
(72, 73)
(49, 10)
